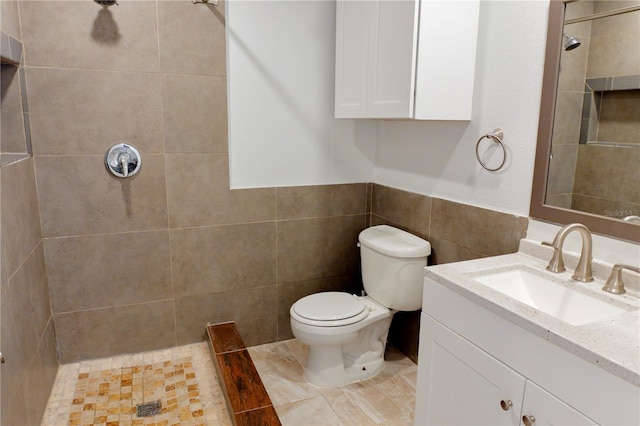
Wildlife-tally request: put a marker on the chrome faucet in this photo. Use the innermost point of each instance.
(614, 283)
(556, 264)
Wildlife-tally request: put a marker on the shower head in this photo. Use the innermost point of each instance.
(106, 3)
(570, 42)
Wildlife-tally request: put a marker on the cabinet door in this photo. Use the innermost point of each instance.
(392, 58)
(352, 50)
(460, 384)
(546, 409)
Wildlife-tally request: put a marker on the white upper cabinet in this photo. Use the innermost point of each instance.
(405, 59)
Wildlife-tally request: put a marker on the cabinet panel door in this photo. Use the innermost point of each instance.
(549, 410)
(352, 47)
(392, 56)
(460, 384)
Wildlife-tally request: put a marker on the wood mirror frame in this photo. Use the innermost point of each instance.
(539, 210)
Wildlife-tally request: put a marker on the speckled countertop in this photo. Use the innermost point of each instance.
(613, 343)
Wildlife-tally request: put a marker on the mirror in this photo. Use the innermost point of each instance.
(588, 152)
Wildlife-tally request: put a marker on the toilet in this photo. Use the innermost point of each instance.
(347, 334)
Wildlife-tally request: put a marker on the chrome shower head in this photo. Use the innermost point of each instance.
(570, 42)
(106, 3)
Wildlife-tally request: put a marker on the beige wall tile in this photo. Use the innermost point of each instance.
(560, 200)
(12, 129)
(604, 207)
(192, 39)
(114, 331)
(484, 231)
(195, 113)
(40, 376)
(220, 258)
(14, 406)
(620, 116)
(566, 124)
(614, 55)
(321, 200)
(573, 66)
(79, 197)
(562, 169)
(254, 311)
(406, 208)
(374, 220)
(14, 307)
(318, 248)
(10, 23)
(598, 166)
(20, 217)
(199, 195)
(24, 321)
(627, 22)
(100, 271)
(289, 293)
(443, 251)
(73, 34)
(28, 343)
(79, 112)
(405, 332)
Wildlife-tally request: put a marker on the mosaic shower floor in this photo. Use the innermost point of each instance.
(106, 392)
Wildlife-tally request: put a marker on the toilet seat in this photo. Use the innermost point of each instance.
(329, 309)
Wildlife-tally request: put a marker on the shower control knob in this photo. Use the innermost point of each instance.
(123, 160)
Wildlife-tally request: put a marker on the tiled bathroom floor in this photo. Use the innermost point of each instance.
(105, 392)
(387, 399)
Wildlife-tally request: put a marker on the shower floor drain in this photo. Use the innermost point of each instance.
(149, 409)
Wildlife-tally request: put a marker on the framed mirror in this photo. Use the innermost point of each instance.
(587, 165)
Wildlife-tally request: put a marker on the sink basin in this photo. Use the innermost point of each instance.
(534, 289)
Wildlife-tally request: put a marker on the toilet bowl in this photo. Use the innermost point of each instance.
(347, 334)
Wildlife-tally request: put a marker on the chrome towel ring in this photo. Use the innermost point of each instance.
(495, 136)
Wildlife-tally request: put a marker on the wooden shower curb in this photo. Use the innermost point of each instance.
(247, 399)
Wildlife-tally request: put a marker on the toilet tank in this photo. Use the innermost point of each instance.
(393, 264)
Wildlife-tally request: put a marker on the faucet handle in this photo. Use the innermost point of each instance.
(614, 283)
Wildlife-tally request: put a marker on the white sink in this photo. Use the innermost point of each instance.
(542, 293)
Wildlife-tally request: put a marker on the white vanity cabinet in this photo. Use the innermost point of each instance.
(405, 59)
(460, 384)
(477, 368)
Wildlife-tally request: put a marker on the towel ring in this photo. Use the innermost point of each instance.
(495, 136)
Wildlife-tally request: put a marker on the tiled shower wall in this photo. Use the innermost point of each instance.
(144, 263)
(27, 332)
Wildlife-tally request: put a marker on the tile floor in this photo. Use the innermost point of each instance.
(387, 399)
(105, 392)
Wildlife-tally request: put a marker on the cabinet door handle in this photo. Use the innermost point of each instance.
(528, 420)
(506, 404)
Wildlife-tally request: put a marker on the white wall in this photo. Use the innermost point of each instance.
(281, 78)
(281, 85)
(438, 158)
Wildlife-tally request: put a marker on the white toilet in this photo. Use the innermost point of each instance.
(347, 334)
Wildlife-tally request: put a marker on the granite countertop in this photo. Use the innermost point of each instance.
(612, 343)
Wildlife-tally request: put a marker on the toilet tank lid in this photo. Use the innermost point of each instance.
(394, 242)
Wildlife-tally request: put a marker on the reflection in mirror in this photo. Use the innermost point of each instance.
(596, 132)
(588, 153)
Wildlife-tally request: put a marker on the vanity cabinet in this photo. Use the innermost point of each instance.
(405, 59)
(460, 384)
(476, 367)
